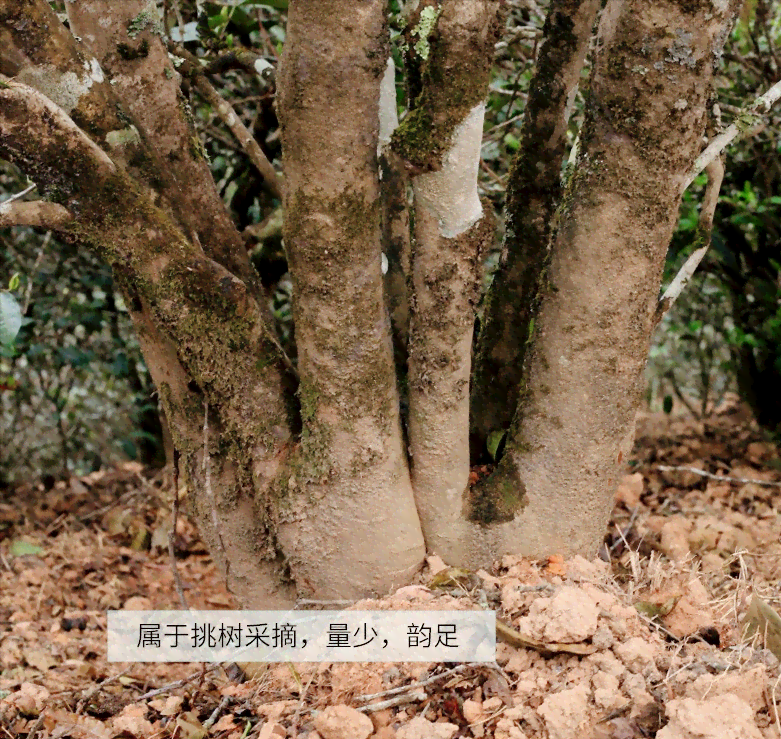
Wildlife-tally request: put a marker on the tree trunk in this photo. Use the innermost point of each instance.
(352, 525)
(533, 192)
(582, 382)
(301, 481)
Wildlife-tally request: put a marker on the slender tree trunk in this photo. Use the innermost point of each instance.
(533, 192)
(440, 139)
(394, 187)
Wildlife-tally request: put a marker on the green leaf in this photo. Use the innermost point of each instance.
(667, 404)
(20, 548)
(494, 441)
(120, 366)
(511, 142)
(10, 317)
(14, 282)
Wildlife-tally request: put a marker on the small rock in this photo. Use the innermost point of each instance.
(722, 717)
(564, 712)
(413, 592)
(571, 616)
(749, 686)
(507, 729)
(636, 653)
(674, 538)
(381, 718)
(603, 637)
(435, 563)
(607, 662)
(692, 612)
(419, 728)
(343, 722)
(606, 692)
(474, 715)
(630, 489)
(472, 710)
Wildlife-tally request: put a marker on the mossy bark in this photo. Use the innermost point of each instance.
(148, 84)
(533, 192)
(397, 247)
(352, 513)
(440, 141)
(313, 494)
(201, 331)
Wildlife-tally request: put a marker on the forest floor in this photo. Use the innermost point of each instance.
(658, 623)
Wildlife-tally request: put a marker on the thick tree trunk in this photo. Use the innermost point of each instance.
(533, 192)
(352, 517)
(575, 418)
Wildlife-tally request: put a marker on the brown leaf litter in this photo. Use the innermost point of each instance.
(647, 641)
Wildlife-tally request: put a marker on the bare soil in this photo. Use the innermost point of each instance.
(646, 641)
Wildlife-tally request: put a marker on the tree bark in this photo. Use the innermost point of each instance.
(174, 293)
(352, 512)
(533, 193)
(574, 425)
(313, 494)
(440, 139)
(395, 219)
(125, 40)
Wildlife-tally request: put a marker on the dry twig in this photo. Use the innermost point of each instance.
(721, 478)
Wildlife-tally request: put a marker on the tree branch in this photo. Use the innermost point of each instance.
(41, 53)
(207, 311)
(710, 199)
(243, 135)
(244, 59)
(583, 374)
(34, 213)
(144, 79)
(746, 121)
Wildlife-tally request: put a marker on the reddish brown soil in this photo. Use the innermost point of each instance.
(658, 620)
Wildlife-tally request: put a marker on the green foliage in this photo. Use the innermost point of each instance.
(739, 319)
(73, 390)
(10, 318)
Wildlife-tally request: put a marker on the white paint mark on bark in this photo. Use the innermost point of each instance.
(95, 72)
(451, 194)
(389, 117)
